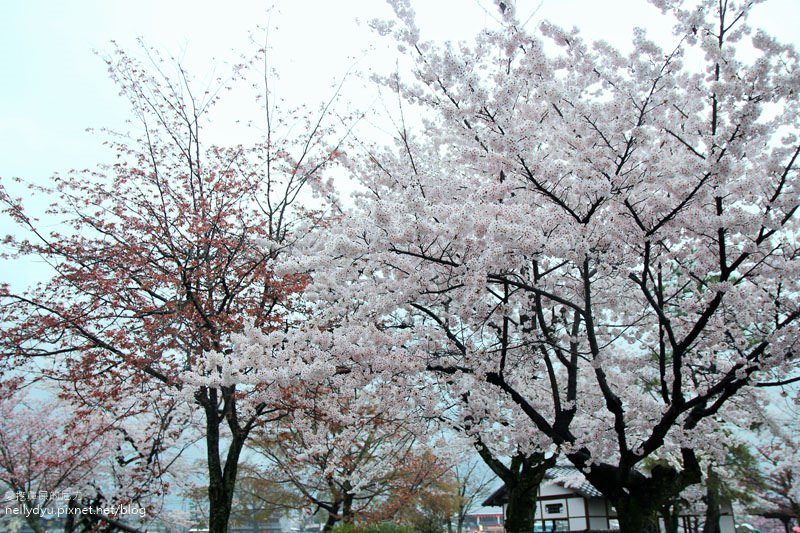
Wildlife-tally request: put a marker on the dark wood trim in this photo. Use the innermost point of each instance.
(561, 497)
(586, 514)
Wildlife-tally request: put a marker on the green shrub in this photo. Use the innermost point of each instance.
(381, 527)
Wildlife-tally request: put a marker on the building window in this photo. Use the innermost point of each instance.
(554, 508)
(548, 526)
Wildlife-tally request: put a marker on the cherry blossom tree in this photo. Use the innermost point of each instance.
(347, 452)
(779, 452)
(431, 508)
(57, 458)
(41, 456)
(605, 241)
(502, 441)
(162, 258)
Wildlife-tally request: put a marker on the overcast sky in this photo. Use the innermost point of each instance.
(54, 86)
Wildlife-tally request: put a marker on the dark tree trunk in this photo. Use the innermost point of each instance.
(221, 475)
(333, 516)
(670, 513)
(521, 508)
(638, 498)
(221, 487)
(69, 523)
(637, 516)
(522, 479)
(712, 502)
(712, 514)
(347, 507)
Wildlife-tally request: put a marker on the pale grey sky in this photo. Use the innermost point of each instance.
(54, 86)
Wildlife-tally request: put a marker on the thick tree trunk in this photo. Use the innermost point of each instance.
(521, 509)
(347, 507)
(221, 475)
(640, 505)
(670, 513)
(712, 502)
(333, 517)
(522, 479)
(638, 498)
(712, 514)
(220, 495)
(522, 494)
(636, 516)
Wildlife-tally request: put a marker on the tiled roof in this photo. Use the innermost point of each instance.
(570, 477)
(566, 476)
